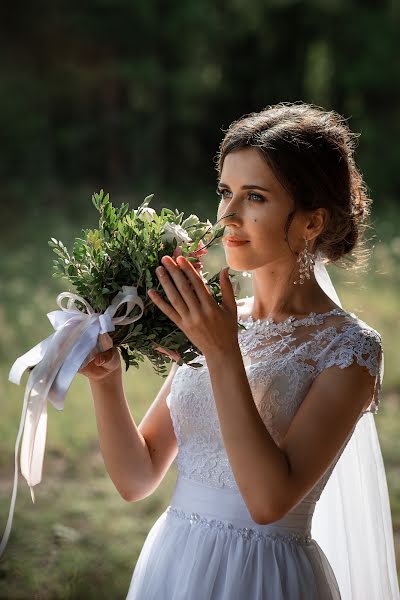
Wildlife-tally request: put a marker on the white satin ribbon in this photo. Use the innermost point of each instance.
(56, 360)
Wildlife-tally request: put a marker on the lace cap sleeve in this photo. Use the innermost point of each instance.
(362, 344)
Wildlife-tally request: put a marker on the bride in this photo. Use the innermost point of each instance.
(281, 491)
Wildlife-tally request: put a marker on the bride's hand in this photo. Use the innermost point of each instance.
(103, 365)
(210, 326)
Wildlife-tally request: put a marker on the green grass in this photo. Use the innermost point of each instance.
(81, 539)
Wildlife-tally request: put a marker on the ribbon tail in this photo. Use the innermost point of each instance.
(29, 359)
(44, 374)
(7, 530)
(34, 441)
(34, 437)
(47, 357)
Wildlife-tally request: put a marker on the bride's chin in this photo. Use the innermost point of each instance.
(239, 268)
(235, 266)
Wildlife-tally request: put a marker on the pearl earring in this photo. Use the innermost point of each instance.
(306, 262)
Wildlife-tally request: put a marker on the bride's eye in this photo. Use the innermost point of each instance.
(258, 197)
(221, 193)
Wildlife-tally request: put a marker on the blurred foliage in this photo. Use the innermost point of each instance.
(116, 93)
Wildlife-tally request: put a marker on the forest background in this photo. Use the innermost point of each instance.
(134, 97)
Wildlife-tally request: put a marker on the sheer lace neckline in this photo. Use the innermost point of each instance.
(311, 318)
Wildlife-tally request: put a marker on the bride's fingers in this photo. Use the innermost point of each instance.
(112, 359)
(107, 360)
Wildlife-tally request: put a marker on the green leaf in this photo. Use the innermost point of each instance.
(191, 355)
(193, 246)
(149, 280)
(57, 251)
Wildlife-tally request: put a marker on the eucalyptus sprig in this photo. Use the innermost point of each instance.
(125, 249)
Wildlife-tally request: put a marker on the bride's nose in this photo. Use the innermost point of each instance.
(230, 213)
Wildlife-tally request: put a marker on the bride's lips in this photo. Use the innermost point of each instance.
(234, 241)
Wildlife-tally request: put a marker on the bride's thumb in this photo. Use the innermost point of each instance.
(99, 359)
(104, 357)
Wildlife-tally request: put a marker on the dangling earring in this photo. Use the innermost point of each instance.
(306, 262)
(246, 274)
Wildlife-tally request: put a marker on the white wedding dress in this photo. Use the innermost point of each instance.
(205, 546)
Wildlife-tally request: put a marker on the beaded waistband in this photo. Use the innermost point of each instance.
(246, 533)
(227, 506)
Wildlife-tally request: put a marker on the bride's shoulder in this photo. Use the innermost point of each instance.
(358, 338)
(352, 339)
(357, 324)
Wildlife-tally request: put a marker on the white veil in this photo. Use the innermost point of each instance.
(352, 520)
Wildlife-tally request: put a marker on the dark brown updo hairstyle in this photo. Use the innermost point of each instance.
(310, 150)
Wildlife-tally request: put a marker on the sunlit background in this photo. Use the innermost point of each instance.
(133, 97)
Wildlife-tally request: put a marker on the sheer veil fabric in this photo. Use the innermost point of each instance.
(352, 520)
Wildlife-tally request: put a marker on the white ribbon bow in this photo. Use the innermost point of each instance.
(57, 359)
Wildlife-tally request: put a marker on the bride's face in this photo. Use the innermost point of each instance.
(261, 204)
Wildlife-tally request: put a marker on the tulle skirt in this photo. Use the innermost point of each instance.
(206, 546)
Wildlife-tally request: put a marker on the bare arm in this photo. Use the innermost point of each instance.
(136, 458)
(272, 478)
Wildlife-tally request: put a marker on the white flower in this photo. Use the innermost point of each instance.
(173, 230)
(146, 214)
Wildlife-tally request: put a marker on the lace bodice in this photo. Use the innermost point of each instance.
(281, 362)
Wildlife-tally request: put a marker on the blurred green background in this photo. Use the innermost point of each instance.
(133, 97)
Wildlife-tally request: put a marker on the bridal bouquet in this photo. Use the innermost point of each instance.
(111, 269)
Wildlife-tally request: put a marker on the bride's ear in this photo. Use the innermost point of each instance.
(316, 222)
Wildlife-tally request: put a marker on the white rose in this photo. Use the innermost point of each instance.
(173, 230)
(146, 214)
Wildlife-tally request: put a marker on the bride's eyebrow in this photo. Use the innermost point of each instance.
(247, 187)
